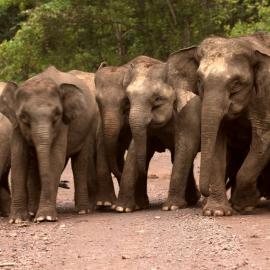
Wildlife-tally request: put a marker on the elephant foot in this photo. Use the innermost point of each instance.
(105, 201)
(18, 216)
(129, 205)
(173, 204)
(32, 209)
(46, 214)
(217, 209)
(83, 210)
(245, 200)
(142, 202)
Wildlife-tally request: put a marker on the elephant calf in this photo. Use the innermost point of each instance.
(54, 117)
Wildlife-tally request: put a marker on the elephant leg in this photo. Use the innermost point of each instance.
(19, 165)
(5, 198)
(47, 203)
(217, 203)
(105, 189)
(246, 194)
(126, 198)
(121, 159)
(187, 144)
(192, 194)
(80, 165)
(33, 185)
(141, 197)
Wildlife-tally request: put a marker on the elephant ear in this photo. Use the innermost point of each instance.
(7, 102)
(128, 75)
(182, 67)
(262, 73)
(73, 102)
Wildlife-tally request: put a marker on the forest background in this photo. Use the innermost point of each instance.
(80, 34)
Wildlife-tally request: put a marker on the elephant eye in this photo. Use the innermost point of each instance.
(158, 102)
(235, 86)
(56, 116)
(25, 119)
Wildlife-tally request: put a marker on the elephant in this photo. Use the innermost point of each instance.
(102, 167)
(256, 164)
(163, 115)
(44, 111)
(227, 75)
(114, 108)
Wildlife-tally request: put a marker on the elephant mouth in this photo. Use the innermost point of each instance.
(232, 115)
(156, 125)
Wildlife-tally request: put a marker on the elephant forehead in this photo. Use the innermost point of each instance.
(213, 66)
(137, 84)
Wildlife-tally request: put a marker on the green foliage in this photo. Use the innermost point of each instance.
(79, 34)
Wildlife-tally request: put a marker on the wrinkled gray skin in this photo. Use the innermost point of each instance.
(114, 107)
(228, 72)
(162, 116)
(43, 111)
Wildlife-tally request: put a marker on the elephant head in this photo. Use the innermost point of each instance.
(151, 104)
(39, 107)
(114, 105)
(227, 73)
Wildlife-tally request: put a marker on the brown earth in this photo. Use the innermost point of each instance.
(149, 239)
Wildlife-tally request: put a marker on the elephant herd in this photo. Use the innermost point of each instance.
(213, 98)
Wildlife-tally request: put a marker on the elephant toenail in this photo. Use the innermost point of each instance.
(207, 213)
(249, 208)
(218, 213)
(107, 203)
(49, 218)
(174, 207)
(119, 209)
(82, 212)
(99, 203)
(128, 210)
(41, 218)
(18, 220)
(165, 208)
(11, 221)
(113, 206)
(31, 214)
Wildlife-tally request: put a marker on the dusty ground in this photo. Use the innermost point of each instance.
(149, 239)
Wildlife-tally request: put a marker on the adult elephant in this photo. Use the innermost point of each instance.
(227, 78)
(43, 111)
(163, 115)
(114, 107)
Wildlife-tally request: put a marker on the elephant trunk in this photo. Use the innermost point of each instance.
(212, 115)
(139, 118)
(42, 138)
(112, 125)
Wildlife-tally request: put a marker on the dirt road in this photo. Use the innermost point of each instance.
(150, 239)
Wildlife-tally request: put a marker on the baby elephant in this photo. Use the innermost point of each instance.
(44, 112)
